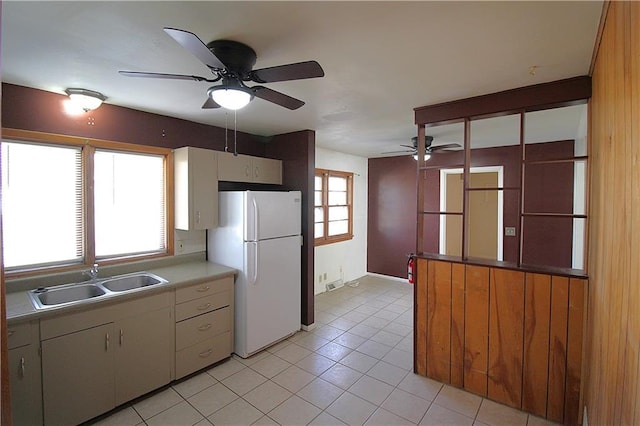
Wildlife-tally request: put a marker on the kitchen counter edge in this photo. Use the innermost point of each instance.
(20, 308)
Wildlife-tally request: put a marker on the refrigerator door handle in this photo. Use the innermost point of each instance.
(256, 234)
(253, 263)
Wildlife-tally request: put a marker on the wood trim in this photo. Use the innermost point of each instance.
(326, 173)
(596, 45)
(566, 92)
(89, 148)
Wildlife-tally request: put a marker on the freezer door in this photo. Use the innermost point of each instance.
(272, 293)
(272, 214)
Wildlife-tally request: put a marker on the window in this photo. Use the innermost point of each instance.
(42, 204)
(333, 206)
(75, 202)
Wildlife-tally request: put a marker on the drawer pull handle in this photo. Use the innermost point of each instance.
(106, 342)
(10, 332)
(205, 306)
(121, 337)
(22, 367)
(204, 327)
(205, 353)
(203, 288)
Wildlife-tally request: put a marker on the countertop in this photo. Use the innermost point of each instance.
(20, 308)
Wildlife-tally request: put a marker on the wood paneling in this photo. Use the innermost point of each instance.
(557, 348)
(536, 343)
(506, 323)
(457, 323)
(439, 321)
(420, 313)
(613, 339)
(476, 334)
(575, 336)
(512, 336)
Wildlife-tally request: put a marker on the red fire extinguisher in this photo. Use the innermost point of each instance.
(410, 265)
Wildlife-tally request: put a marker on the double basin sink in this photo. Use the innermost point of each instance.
(49, 297)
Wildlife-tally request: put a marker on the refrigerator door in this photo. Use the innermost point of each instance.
(272, 294)
(272, 214)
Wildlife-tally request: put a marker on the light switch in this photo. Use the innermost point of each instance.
(510, 231)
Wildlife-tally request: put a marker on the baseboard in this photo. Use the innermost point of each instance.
(308, 327)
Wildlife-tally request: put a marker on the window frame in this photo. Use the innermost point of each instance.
(88, 147)
(325, 174)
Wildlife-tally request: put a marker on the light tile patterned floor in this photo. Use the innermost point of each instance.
(354, 368)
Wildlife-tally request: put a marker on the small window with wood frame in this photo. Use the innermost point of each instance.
(333, 206)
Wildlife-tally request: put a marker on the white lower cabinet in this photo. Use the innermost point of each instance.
(204, 324)
(124, 352)
(143, 354)
(77, 375)
(25, 374)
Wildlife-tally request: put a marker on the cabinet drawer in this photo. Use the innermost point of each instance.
(197, 329)
(19, 335)
(196, 291)
(202, 305)
(203, 354)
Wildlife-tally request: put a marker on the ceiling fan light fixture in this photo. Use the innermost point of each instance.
(426, 157)
(232, 98)
(85, 100)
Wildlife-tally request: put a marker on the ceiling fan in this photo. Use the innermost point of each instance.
(231, 62)
(429, 148)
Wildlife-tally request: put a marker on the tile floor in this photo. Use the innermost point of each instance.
(354, 368)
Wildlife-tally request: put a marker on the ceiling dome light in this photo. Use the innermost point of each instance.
(84, 99)
(426, 157)
(231, 97)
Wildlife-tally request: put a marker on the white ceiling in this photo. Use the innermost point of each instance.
(381, 59)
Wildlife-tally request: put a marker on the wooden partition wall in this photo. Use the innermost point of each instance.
(512, 336)
(613, 356)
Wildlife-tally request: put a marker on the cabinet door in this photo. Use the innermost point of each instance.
(232, 168)
(266, 170)
(196, 188)
(143, 353)
(26, 390)
(77, 375)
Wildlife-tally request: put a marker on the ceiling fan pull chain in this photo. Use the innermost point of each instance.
(226, 128)
(235, 132)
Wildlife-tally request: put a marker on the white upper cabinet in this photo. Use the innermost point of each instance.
(196, 188)
(246, 168)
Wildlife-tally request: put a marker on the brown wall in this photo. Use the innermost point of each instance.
(613, 329)
(37, 110)
(298, 152)
(391, 224)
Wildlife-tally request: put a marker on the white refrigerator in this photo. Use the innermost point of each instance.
(259, 234)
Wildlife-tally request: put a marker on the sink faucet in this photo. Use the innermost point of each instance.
(93, 272)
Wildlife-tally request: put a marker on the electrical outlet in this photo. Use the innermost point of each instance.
(180, 246)
(324, 276)
(510, 231)
(320, 278)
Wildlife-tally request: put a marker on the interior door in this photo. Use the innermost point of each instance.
(483, 216)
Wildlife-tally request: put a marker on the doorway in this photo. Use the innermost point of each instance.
(485, 230)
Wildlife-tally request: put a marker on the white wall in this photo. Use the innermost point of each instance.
(346, 260)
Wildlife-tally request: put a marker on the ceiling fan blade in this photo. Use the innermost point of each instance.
(193, 44)
(444, 147)
(398, 152)
(277, 97)
(297, 71)
(169, 76)
(210, 104)
(409, 146)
